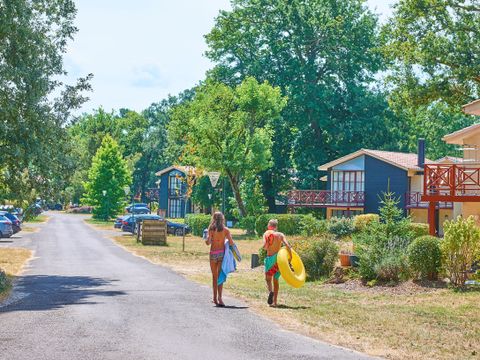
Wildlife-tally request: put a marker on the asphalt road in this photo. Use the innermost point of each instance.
(83, 297)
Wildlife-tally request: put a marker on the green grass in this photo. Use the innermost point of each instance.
(101, 224)
(12, 261)
(38, 219)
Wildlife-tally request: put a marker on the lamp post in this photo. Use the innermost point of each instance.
(105, 207)
(126, 189)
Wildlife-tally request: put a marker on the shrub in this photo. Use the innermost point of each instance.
(425, 257)
(340, 227)
(311, 226)
(391, 268)
(289, 224)
(318, 256)
(4, 281)
(262, 254)
(360, 222)
(80, 210)
(197, 223)
(419, 229)
(460, 248)
(248, 223)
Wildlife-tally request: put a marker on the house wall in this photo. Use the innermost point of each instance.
(416, 183)
(472, 155)
(165, 197)
(381, 177)
(421, 216)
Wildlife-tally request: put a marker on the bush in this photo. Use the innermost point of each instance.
(311, 226)
(360, 222)
(80, 210)
(425, 257)
(248, 223)
(340, 227)
(419, 229)
(318, 256)
(289, 224)
(198, 223)
(262, 254)
(460, 248)
(5, 282)
(391, 268)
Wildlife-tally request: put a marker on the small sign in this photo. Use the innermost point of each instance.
(214, 176)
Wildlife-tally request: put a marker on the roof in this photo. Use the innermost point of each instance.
(405, 161)
(449, 159)
(180, 168)
(472, 108)
(458, 136)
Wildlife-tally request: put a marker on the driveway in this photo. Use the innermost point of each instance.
(83, 297)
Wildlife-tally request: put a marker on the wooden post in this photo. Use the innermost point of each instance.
(431, 218)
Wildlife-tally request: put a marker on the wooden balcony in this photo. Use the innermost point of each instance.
(451, 183)
(325, 198)
(413, 200)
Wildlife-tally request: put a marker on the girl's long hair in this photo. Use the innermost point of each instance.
(217, 223)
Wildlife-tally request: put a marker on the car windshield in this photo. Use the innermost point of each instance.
(3, 218)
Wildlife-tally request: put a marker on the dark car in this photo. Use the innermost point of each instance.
(16, 223)
(139, 210)
(128, 225)
(118, 221)
(172, 228)
(136, 206)
(6, 229)
(176, 228)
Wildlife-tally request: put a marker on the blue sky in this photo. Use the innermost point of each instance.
(140, 51)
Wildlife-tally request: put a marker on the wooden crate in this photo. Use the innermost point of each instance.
(153, 232)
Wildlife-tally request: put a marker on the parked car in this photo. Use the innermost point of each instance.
(118, 221)
(135, 206)
(176, 228)
(172, 228)
(6, 229)
(16, 223)
(140, 210)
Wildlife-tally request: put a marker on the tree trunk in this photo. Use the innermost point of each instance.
(268, 191)
(236, 193)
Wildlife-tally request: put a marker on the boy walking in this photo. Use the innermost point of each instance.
(272, 242)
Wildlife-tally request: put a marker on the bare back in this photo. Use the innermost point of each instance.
(218, 238)
(273, 242)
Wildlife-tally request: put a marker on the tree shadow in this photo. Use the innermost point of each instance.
(50, 292)
(281, 306)
(6, 241)
(431, 284)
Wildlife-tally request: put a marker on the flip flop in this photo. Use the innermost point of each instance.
(221, 304)
(270, 298)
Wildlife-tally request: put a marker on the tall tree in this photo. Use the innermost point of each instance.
(228, 129)
(33, 140)
(323, 54)
(435, 47)
(107, 178)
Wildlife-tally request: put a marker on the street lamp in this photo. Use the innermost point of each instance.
(104, 192)
(126, 189)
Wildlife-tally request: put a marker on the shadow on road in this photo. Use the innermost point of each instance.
(50, 292)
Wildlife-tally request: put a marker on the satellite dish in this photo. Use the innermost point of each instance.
(214, 176)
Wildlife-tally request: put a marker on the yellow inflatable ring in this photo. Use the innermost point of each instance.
(296, 277)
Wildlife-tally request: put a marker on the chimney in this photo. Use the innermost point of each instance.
(421, 153)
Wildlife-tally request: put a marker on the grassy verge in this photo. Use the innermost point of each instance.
(101, 224)
(418, 324)
(37, 219)
(12, 261)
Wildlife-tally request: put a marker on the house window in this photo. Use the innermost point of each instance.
(345, 213)
(348, 181)
(175, 208)
(175, 183)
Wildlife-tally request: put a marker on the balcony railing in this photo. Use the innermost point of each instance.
(451, 182)
(324, 198)
(413, 200)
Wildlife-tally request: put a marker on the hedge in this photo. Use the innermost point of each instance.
(360, 222)
(425, 257)
(289, 224)
(419, 229)
(198, 223)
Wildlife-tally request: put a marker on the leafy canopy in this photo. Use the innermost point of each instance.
(228, 129)
(109, 173)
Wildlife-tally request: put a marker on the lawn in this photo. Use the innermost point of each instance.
(102, 224)
(38, 219)
(410, 321)
(12, 261)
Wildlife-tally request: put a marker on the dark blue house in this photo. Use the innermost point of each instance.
(172, 188)
(356, 181)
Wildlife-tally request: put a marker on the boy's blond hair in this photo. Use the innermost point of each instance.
(273, 223)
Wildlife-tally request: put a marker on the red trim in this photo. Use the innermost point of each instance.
(431, 218)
